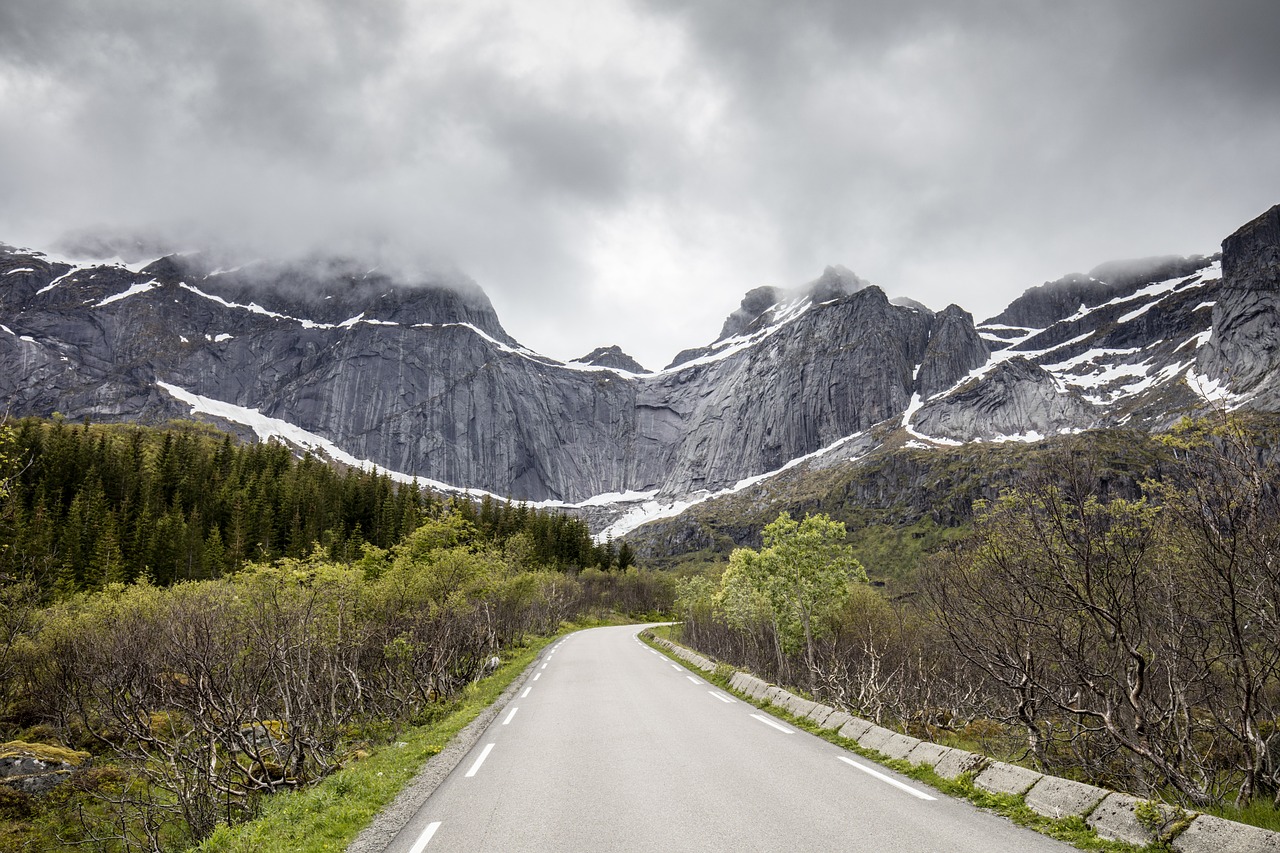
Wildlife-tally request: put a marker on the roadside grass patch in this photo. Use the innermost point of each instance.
(328, 816)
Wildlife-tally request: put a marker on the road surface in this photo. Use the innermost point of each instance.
(610, 746)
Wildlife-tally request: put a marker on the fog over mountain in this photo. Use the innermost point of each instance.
(622, 172)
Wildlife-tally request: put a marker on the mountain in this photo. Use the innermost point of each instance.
(420, 378)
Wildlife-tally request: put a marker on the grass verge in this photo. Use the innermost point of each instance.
(1072, 830)
(328, 816)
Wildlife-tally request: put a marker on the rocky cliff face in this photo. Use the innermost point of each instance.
(1244, 350)
(423, 379)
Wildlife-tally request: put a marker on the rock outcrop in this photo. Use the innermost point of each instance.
(1244, 350)
(955, 348)
(611, 357)
(1017, 398)
(36, 768)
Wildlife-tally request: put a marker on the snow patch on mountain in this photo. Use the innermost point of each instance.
(651, 509)
(134, 290)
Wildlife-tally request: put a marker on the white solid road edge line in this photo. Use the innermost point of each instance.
(509, 716)
(424, 838)
(484, 753)
(779, 726)
(883, 778)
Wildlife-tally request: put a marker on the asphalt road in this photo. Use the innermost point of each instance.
(611, 746)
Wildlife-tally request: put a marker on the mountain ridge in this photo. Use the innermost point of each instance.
(424, 381)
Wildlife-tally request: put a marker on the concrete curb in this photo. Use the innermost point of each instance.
(388, 823)
(1111, 815)
(1001, 778)
(1116, 818)
(958, 762)
(855, 728)
(836, 720)
(1059, 798)
(819, 714)
(900, 746)
(1208, 834)
(928, 753)
(876, 737)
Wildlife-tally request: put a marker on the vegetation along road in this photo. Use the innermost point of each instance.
(612, 746)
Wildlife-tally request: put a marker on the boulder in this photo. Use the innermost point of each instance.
(37, 768)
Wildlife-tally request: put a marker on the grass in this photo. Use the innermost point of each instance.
(1071, 830)
(328, 816)
(1261, 812)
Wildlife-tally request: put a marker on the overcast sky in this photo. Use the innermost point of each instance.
(622, 172)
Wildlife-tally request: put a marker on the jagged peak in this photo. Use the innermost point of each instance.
(1138, 271)
(611, 357)
(836, 281)
(908, 302)
(955, 311)
(1042, 306)
(754, 304)
(1251, 255)
(334, 288)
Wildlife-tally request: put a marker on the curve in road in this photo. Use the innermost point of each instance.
(610, 746)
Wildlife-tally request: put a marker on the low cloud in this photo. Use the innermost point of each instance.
(623, 172)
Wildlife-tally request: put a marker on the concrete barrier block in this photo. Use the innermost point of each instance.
(1001, 778)
(957, 762)
(800, 707)
(875, 737)
(819, 713)
(738, 682)
(927, 753)
(1059, 798)
(1115, 818)
(855, 728)
(899, 746)
(1208, 834)
(787, 700)
(836, 720)
(775, 694)
(758, 688)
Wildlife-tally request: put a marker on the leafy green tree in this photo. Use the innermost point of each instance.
(800, 578)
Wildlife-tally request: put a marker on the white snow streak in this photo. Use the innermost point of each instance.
(652, 510)
(133, 290)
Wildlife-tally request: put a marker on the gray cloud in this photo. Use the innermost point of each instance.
(623, 172)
